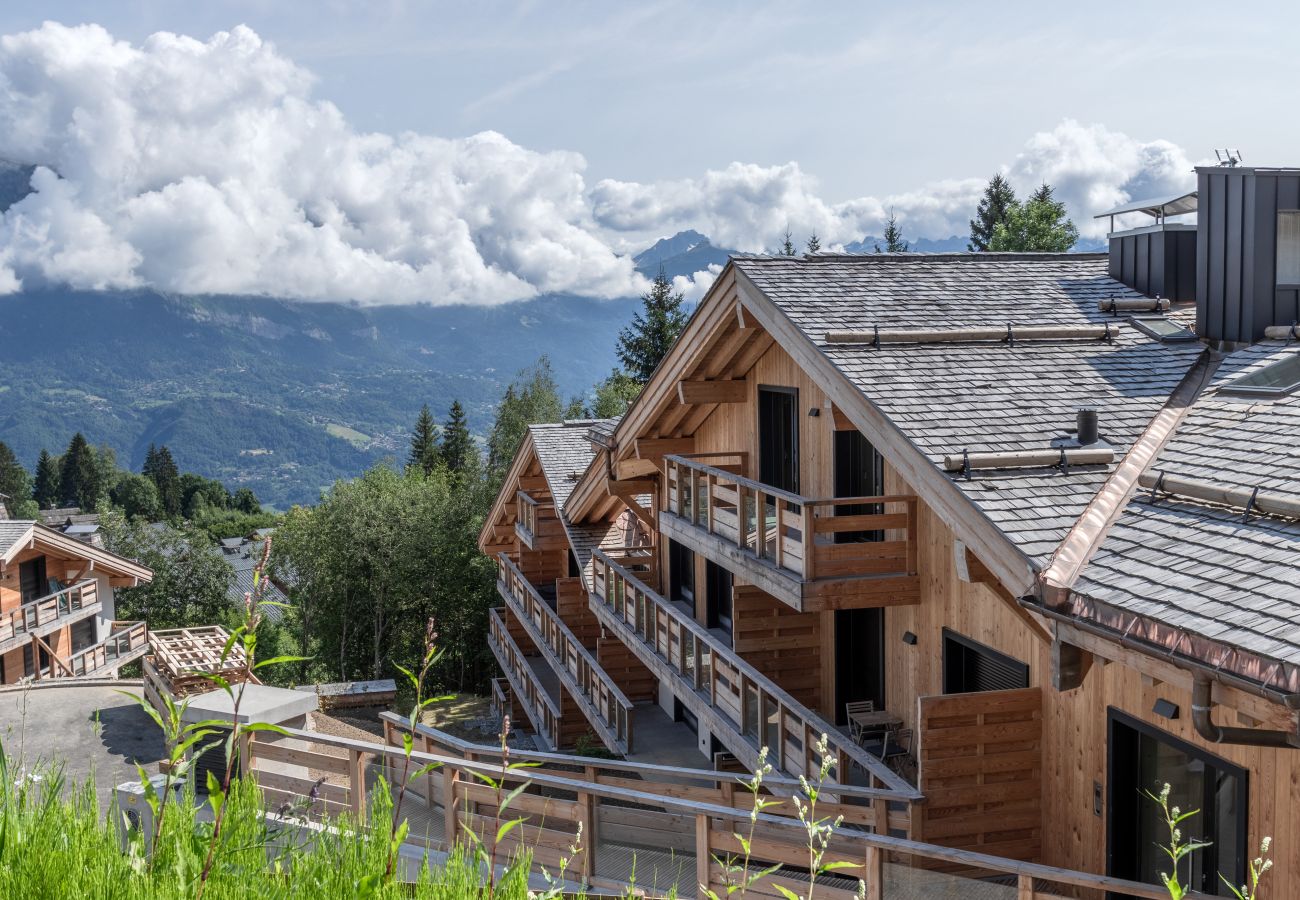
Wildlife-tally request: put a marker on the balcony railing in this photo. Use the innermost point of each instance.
(605, 706)
(128, 641)
(794, 537)
(737, 695)
(45, 614)
(543, 711)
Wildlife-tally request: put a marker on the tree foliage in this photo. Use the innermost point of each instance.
(533, 397)
(79, 481)
(137, 497)
(45, 486)
(374, 560)
(814, 243)
(15, 483)
(894, 242)
(992, 211)
(160, 468)
(1040, 225)
(654, 328)
(425, 453)
(458, 450)
(190, 581)
(787, 245)
(614, 395)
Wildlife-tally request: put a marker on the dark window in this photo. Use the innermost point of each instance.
(859, 658)
(970, 666)
(83, 634)
(1141, 758)
(32, 580)
(778, 437)
(683, 714)
(719, 584)
(859, 472)
(681, 573)
(574, 570)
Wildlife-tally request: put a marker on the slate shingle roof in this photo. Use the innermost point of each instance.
(11, 532)
(1202, 567)
(984, 397)
(564, 452)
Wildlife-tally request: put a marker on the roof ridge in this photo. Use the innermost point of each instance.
(916, 256)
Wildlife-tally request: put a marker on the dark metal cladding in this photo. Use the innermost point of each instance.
(1159, 260)
(1238, 294)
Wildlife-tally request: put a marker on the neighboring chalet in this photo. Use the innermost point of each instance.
(57, 616)
(1043, 522)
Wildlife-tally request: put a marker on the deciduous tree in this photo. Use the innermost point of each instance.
(1040, 225)
(533, 397)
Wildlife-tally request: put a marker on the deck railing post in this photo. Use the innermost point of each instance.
(809, 541)
(760, 523)
(1025, 887)
(451, 819)
(357, 783)
(874, 874)
(702, 861)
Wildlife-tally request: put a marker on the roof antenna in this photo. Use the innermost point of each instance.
(1228, 157)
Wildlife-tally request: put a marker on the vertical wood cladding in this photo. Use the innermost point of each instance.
(1237, 291)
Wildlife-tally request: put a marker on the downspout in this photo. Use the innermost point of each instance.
(1203, 721)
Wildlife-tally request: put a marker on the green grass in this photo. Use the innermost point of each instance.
(56, 843)
(351, 435)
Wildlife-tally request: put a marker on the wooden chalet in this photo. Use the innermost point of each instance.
(1044, 523)
(57, 615)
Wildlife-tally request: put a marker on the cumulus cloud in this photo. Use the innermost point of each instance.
(209, 167)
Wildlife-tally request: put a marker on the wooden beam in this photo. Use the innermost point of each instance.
(627, 491)
(1070, 665)
(840, 421)
(736, 391)
(972, 570)
(629, 469)
(650, 448)
(744, 319)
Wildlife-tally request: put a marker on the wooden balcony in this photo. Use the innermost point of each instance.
(536, 525)
(129, 641)
(733, 699)
(786, 544)
(606, 708)
(43, 615)
(526, 689)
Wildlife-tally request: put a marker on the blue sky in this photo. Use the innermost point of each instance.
(728, 117)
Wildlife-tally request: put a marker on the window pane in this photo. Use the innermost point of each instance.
(1288, 248)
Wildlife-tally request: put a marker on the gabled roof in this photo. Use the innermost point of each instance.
(953, 397)
(15, 536)
(1211, 573)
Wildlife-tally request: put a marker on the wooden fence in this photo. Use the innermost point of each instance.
(980, 769)
(675, 828)
(45, 613)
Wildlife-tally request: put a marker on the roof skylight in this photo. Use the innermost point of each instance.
(1275, 380)
(1162, 329)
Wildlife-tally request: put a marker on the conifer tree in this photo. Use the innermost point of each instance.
(45, 489)
(424, 443)
(814, 243)
(645, 342)
(1040, 225)
(458, 450)
(994, 206)
(79, 475)
(894, 242)
(15, 483)
(787, 246)
(160, 468)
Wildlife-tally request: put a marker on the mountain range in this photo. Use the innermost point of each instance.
(283, 396)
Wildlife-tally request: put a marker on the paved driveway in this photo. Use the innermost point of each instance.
(91, 730)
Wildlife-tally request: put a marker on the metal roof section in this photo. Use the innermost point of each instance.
(1156, 207)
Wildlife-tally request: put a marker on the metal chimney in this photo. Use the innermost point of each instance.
(1086, 426)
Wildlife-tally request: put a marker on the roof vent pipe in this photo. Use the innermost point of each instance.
(1086, 426)
(1202, 719)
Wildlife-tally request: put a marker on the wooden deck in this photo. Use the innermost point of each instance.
(661, 826)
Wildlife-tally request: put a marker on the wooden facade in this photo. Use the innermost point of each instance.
(57, 612)
(1022, 772)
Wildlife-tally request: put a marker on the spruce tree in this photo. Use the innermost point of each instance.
(814, 243)
(15, 483)
(79, 475)
(994, 206)
(894, 242)
(787, 246)
(646, 341)
(45, 489)
(458, 450)
(160, 468)
(424, 453)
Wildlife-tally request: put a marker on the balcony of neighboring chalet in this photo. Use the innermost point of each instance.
(813, 554)
(127, 642)
(45, 615)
